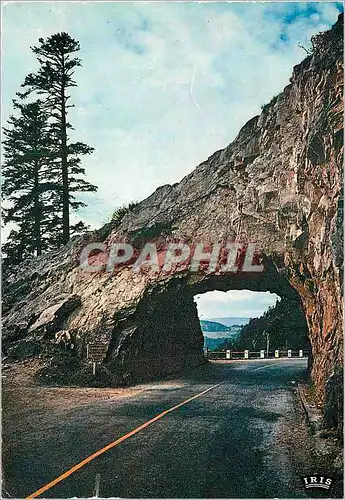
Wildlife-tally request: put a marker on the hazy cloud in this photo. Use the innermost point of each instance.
(235, 303)
(163, 85)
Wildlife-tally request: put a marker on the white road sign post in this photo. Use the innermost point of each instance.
(267, 343)
(228, 354)
(276, 353)
(95, 353)
(262, 354)
(246, 354)
(289, 353)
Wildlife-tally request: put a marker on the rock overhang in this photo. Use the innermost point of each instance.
(277, 185)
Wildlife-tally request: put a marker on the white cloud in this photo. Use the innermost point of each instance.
(163, 85)
(234, 303)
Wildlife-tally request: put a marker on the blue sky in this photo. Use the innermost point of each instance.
(163, 85)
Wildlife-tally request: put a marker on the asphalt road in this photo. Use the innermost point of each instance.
(245, 438)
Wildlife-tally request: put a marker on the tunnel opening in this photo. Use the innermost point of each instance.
(222, 315)
(162, 335)
(261, 324)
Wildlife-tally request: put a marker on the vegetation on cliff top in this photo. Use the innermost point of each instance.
(284, 323)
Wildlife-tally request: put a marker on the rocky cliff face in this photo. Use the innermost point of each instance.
(278, 184)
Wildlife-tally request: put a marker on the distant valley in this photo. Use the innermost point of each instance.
(230, 321)
(217, 330)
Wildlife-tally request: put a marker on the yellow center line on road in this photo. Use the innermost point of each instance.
(88, 459)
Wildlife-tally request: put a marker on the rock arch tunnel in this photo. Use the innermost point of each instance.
(278, 185)
(165, 334)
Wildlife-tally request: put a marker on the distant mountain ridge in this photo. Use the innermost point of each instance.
(213, 326)
(229, 321)
(216, 333)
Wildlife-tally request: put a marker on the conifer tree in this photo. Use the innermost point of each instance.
(53, 80)
(28, 188)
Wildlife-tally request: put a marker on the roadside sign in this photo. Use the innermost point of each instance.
(262, 354)
(246, 354)
(289, 353)
(96, 351)
(276, 353)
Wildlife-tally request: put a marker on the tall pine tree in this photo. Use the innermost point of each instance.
(28, 188)
(53, 80)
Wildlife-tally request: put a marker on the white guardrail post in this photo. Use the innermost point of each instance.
(246, 354)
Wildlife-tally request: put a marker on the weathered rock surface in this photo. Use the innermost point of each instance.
(278, 184)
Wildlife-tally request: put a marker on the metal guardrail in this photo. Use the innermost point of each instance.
(262, 354)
